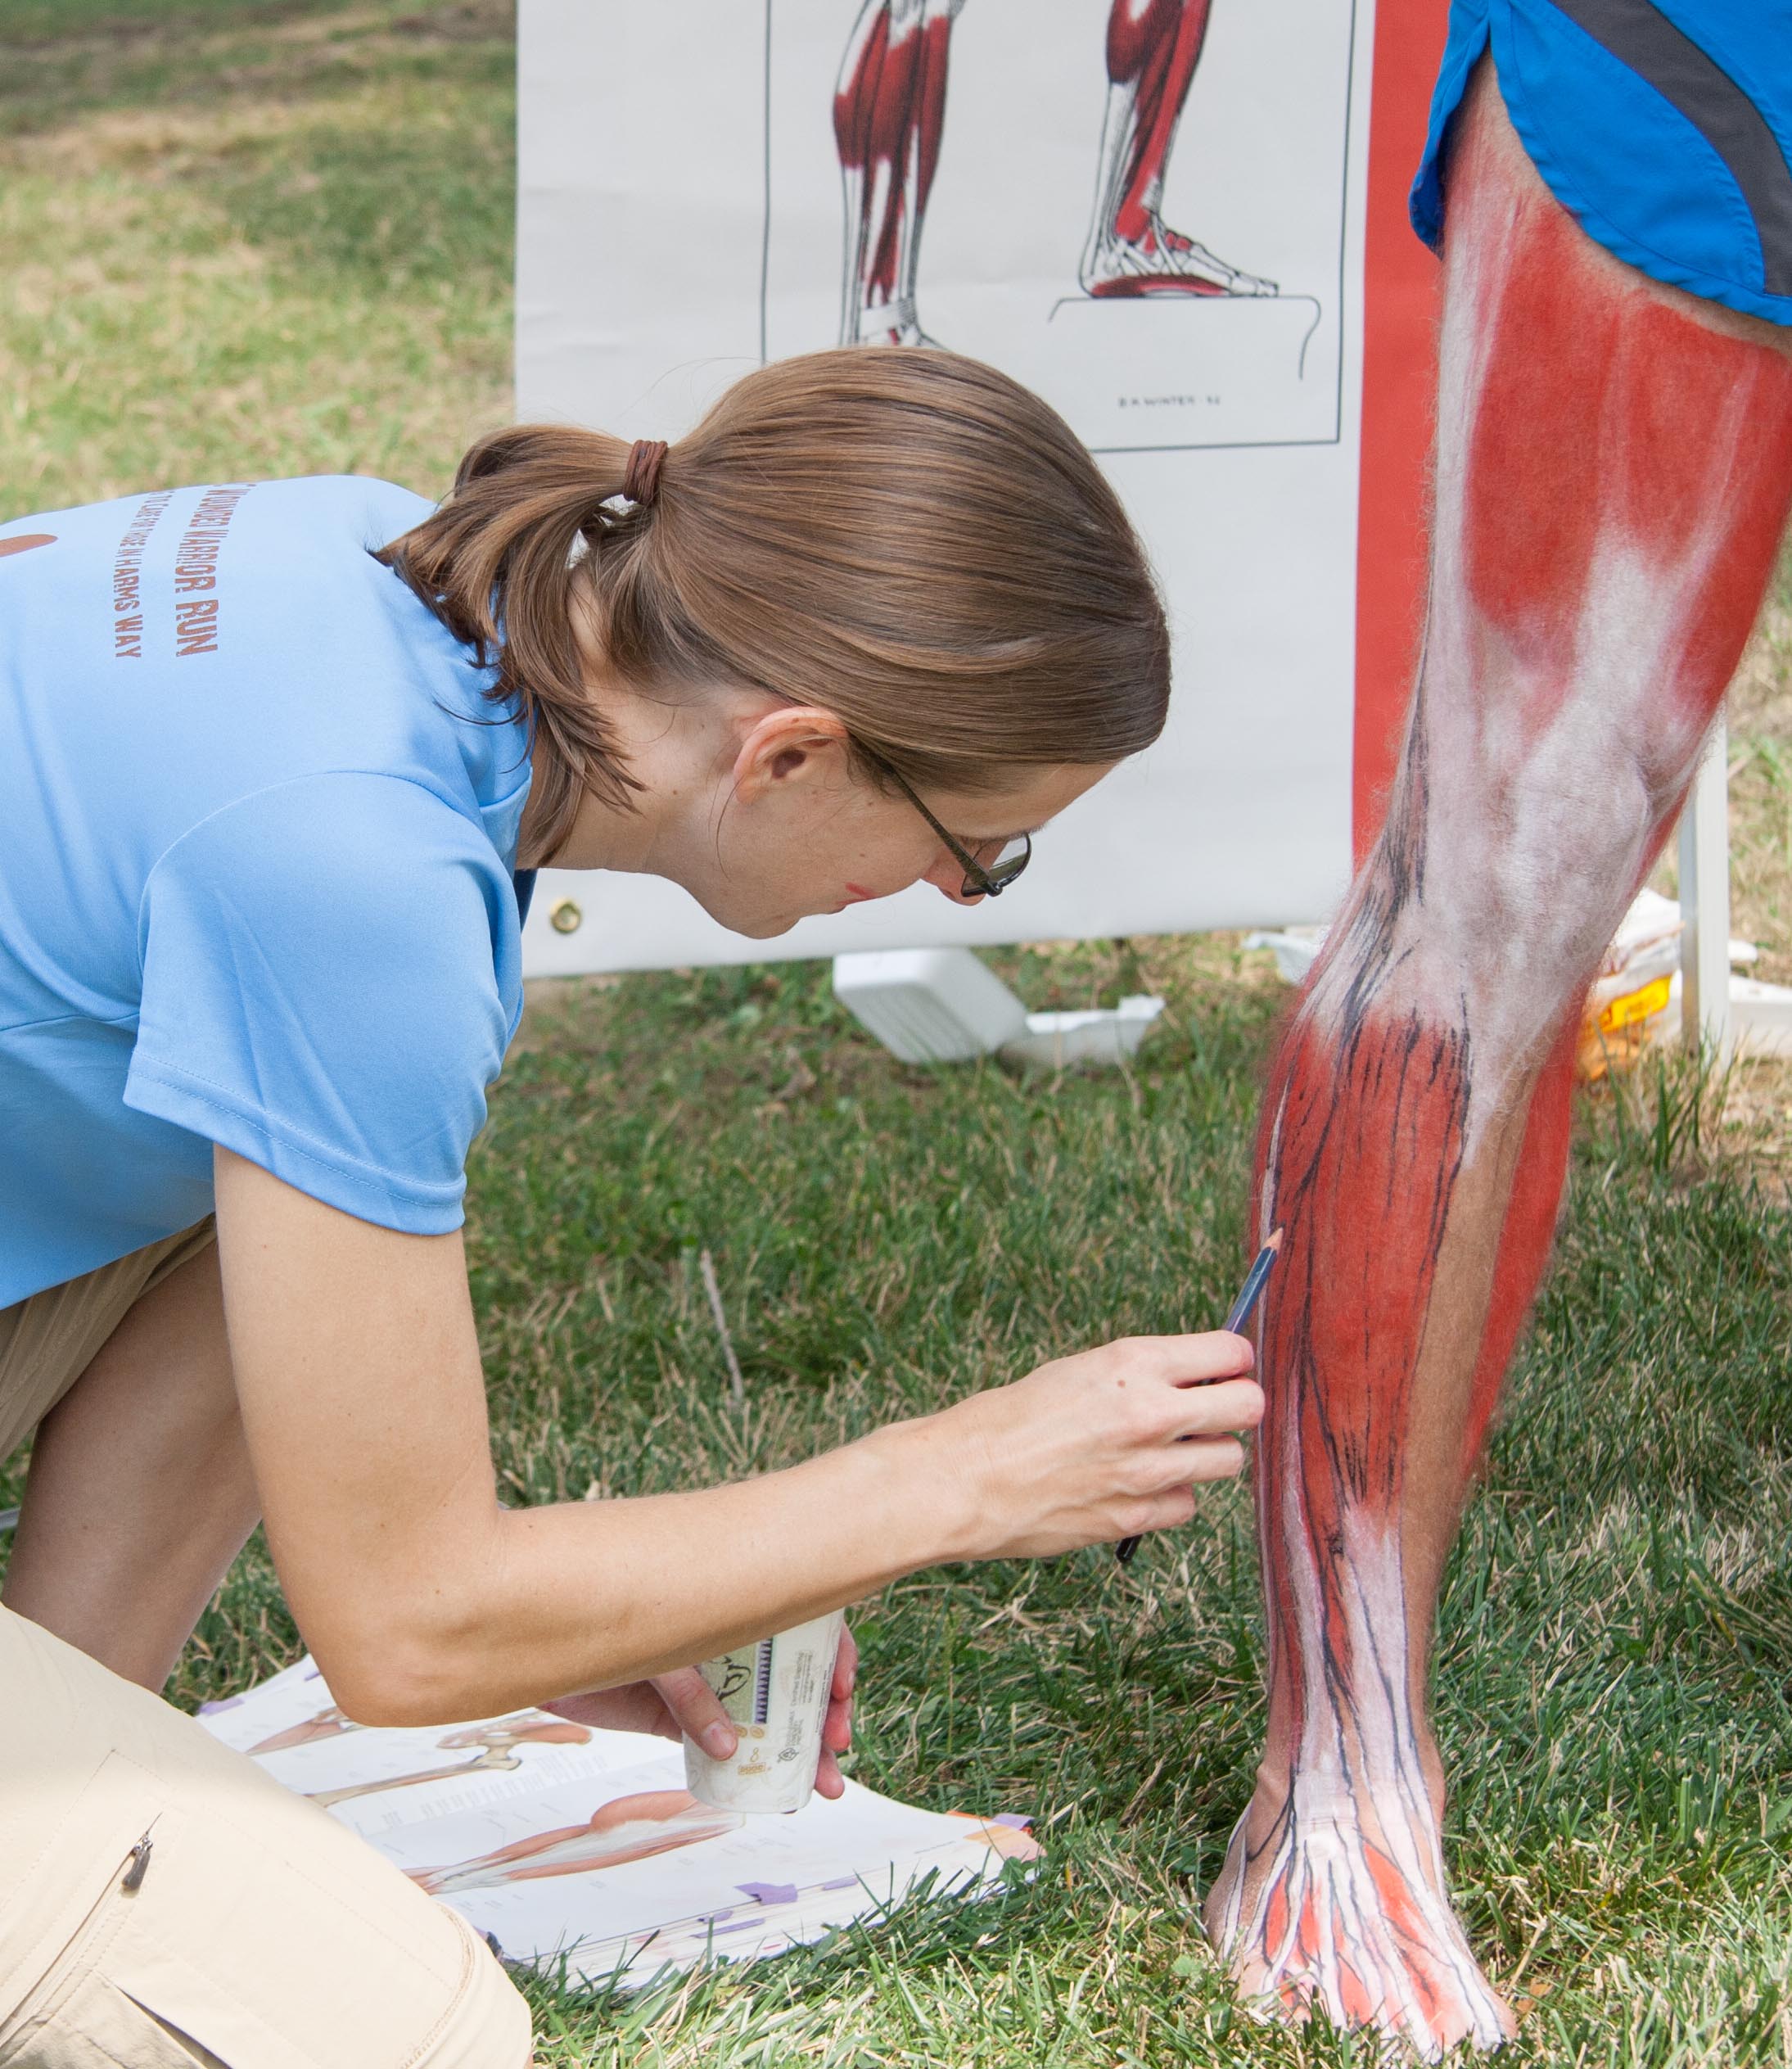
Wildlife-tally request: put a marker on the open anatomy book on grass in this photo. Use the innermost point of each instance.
(564, 1842)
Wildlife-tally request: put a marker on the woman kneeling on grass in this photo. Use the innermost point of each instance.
(269, 756)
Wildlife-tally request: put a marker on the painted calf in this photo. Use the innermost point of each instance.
(1614, 465)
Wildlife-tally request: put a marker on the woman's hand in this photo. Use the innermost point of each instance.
(1108, 1444)
(672, 1705)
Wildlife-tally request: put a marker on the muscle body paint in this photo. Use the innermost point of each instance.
(1613, 474)
(889, 118)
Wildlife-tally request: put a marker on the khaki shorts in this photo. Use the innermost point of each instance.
(48, 1342)
(260, 1934)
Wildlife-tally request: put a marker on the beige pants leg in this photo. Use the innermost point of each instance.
(260, 1934)
(48, 1342)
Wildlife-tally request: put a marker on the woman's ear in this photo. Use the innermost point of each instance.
(796, 743)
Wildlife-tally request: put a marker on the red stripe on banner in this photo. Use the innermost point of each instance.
(1400, 308)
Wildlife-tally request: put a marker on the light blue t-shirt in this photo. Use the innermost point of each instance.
(257, 825)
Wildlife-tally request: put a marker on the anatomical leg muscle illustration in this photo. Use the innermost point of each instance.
(331, 1723)
(889, 114)
(630, 1828)
(1154, 47)
(1612, 470)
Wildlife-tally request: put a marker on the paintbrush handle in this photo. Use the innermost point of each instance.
(1243, 1308)
(1255, 1280)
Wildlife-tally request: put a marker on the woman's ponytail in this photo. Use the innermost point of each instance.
(499, 563)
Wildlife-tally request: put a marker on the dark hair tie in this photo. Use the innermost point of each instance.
(641, 480)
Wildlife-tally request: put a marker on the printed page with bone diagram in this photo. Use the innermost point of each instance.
(559, 1840)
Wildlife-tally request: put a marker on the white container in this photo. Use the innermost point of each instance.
(928, 1006)
(941, 1005)
(1296, 949)
(775, 1693)
(1760, 1018)
(1093, 1036)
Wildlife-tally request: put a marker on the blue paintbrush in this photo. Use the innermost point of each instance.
(1255, 1280)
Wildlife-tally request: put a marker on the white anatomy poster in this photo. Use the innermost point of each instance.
(1150, 210)
(1136, 210)
(562, 1841)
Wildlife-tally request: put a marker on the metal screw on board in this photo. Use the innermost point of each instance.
(564, 917)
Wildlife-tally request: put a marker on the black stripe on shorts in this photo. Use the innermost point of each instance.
(1640, 35)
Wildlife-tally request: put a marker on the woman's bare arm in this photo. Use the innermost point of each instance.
(357, 1368)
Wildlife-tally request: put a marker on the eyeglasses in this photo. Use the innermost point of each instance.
(979, 882)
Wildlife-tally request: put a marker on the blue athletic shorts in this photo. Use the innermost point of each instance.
(1665, 125)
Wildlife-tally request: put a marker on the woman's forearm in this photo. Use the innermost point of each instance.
(679, 1578)
(357, 1372)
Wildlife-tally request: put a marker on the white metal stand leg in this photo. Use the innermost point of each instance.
(1704, 904)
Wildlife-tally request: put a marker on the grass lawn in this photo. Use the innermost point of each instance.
(275, 239)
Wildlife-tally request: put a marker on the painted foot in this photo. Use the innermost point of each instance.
(889, 323)
(1161, 261)
(1322, 1906)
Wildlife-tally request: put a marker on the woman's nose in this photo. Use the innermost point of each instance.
(947, 876)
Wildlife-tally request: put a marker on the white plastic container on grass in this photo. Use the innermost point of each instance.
(928, 1006)
(1094, 1035)
(941, 1005)
(775, 1693)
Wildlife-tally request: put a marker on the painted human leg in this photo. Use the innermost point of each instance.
(1614, 467)
(889, 113)
(1154, 47)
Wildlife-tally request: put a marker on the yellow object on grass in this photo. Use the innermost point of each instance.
(1617, 1034)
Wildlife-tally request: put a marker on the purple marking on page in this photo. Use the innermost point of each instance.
(769, 1892)
(840, 1882)
(1012, 1818)
(224, 1702)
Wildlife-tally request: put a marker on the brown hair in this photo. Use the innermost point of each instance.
(903, 537)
